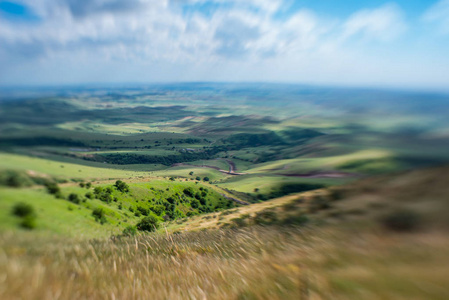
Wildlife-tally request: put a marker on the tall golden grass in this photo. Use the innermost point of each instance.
(250, 263)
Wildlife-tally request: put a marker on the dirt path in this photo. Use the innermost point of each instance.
(329, 174)
(231, 171)
(235, 200)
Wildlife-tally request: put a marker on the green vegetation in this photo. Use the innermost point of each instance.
(148, 223)
(257, 191)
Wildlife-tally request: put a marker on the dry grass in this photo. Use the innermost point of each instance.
(254, 263)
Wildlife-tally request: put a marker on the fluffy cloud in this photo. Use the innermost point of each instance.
(384, 23)
(151, 40)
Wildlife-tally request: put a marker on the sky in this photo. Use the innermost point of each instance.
(372, 43)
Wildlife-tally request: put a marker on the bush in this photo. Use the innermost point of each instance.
(29, 222)
(144, 211)
(98, 190)
(105, 197)
(23, 210)
(195, 203)
(74, 198)
(89, 195)
(190, 192)
(158, 209)
(402, 220)
(206, 178)
(53, 188)
(130, 231)
(99, 215)
(149, 223)
(121, 186)
(15, 179)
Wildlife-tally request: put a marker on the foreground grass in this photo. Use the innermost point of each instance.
(254, 263)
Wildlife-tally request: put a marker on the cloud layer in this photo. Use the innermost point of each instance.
(81, 41)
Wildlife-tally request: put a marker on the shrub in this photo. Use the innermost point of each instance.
(98, 190)
(105, 197)
(88, 185)
(89, 195)
(144, 211)
(402, 220)
(158, 209)
(99, 215)
(149, 223)
(195, 203)
(53, 188)
(82, 184)
(121, 186)
(189, 191)
(206, 178)
(198, 178)
(74, 198)
(15, 179)
(130, 231)
(29, 222)
(23, 210)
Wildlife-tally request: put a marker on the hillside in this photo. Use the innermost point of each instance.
(323, 244)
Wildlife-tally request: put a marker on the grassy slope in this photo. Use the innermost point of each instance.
(63, 217)
(354, 258)
(60, 169)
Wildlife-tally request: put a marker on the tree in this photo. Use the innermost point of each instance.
(149, 223)
(121, 186)
(206, 178)
(191, 173)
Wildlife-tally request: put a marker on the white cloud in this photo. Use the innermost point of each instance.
(384, 23)
(156, 41)
(439, 14)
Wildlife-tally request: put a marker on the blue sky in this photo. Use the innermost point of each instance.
(374, 43)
